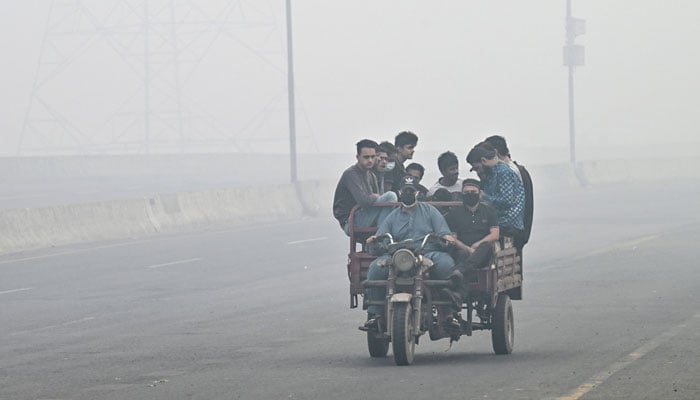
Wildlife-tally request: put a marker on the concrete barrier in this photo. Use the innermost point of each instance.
(556, 176)
(24, 229)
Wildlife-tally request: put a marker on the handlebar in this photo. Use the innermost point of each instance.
(434, 237)
(425, 240)
(380, 240)
(381, 237)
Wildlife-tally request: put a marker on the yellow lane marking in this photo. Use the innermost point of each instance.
(598, 379)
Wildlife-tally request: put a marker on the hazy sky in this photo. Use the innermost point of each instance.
(452, 71)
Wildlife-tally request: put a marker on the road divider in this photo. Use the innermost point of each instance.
(35, 228)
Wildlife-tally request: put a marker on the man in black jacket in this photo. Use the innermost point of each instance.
(405, 143)
(358, 186)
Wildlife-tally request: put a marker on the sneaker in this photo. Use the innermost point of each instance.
(453, 327)
(373, 324)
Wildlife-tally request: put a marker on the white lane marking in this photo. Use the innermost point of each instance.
(189, 260)
(154, 239)
(621, 246)
(63, 253)
(631, 244)
(16, 290)
(18, 197)
(45, 328)
(598, 379)
(318, 239)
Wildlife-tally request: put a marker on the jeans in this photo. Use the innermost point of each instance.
(442, 268)
(373, 216)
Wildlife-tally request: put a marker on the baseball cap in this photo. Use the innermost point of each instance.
(408, 181)
(471, 182)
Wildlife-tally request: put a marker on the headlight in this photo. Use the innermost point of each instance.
(403, 260)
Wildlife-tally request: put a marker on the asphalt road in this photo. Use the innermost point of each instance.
(611, 310)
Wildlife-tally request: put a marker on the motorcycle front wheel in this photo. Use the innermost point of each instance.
(402, 338)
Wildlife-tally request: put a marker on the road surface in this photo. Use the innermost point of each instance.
(611, 310)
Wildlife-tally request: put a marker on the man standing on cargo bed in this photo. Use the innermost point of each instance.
(405, 143)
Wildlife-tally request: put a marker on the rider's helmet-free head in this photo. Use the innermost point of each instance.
(405, 143)
(479, 157)
(499, 143)
(446, 160)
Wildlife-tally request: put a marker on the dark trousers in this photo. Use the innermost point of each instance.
(517, 235)
(466, 262)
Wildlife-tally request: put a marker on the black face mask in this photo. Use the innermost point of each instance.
(408, 198)
(470, 199)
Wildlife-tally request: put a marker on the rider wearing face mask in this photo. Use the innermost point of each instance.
(476, 226)
(413, 220)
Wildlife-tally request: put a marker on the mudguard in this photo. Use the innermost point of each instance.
(401, 298)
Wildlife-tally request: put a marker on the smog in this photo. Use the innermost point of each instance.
(168, 172)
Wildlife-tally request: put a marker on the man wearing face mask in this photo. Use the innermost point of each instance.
(502, 189)
(385, 153)
(412, 220)
(476, 227)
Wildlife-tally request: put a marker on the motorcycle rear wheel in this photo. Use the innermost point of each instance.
(402, 337)
(503, 330)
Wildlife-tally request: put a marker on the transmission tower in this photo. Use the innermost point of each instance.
(145, 76)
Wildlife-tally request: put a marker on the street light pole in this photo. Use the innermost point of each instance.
(573, 57)
(290, 94)
(570, 37)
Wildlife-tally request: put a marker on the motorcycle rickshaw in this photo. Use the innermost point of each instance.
(415, 303)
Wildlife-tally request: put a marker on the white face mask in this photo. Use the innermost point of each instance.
(390, 165)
